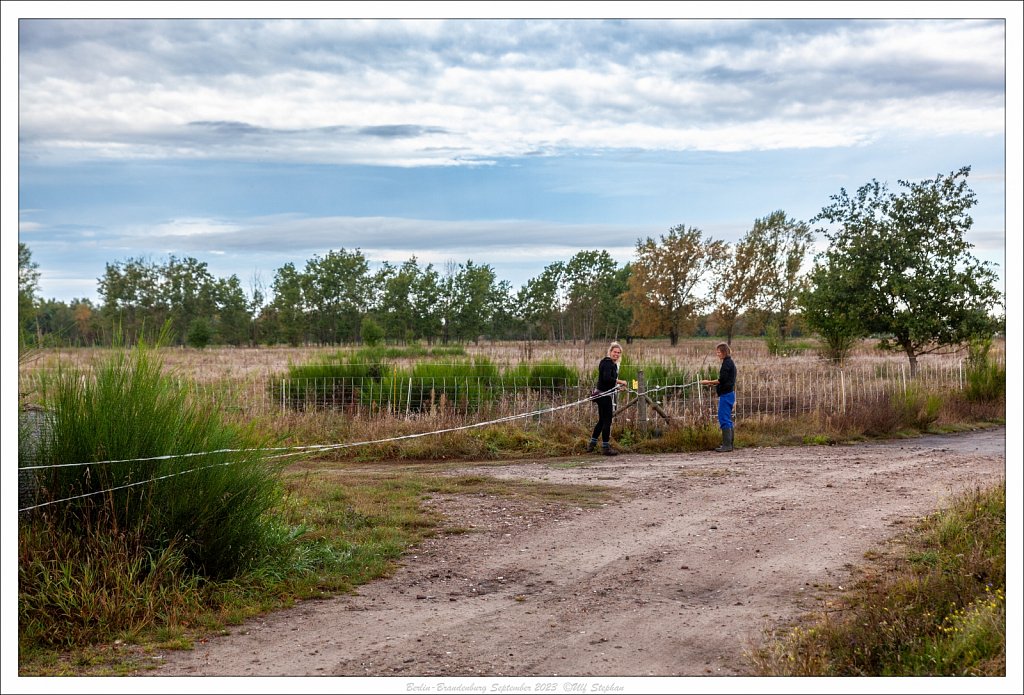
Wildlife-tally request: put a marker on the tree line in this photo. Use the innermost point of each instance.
(897, 265)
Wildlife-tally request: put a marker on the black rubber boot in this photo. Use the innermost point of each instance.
(726, 440)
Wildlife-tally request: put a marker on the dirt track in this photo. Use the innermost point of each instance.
(677, 579)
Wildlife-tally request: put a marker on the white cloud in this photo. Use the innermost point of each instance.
(307, 91)
(187, 227)
(389, 237)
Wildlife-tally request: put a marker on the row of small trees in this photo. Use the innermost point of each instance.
(897, 264)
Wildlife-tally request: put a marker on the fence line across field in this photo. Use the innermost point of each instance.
(762, 390)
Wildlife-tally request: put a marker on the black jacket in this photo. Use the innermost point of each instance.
(726, 377)
(607, 374)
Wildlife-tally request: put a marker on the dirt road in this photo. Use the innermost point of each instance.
(676, 579)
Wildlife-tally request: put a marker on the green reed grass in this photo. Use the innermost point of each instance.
(77, 586)
(986, 381)
(550, 376)
(212, 506)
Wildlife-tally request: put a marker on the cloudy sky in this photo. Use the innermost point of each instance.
(249, 144)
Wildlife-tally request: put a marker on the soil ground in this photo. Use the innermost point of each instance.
(679, 577)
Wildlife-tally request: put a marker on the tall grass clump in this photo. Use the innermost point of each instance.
(448, 351)
(367, 377)
(890, 413)
(209, 495)
(415, 350)
(936, 608)
(336, 379)
(918, 408)
(459, 383)
(368, 363)
(986, 380)
(93, 584)
(546, 376)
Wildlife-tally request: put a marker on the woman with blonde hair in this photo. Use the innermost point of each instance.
(607, 382)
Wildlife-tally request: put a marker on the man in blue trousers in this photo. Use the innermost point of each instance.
(725, 386)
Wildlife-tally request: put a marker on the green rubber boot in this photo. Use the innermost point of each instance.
(726, 440)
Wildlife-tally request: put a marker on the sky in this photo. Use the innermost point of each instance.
(514, 142)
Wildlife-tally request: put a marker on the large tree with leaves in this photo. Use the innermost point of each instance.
(189, 291)
(786, 242)
(740, 285)
(900, 264)
(825, 309)
(667, 276)
(286, 314)
(337, 290)
(426, 304)
(473, 295)
(541, 303)
(395, 299)
(590, 287)
(133, 300)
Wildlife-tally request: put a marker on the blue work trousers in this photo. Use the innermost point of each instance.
(725, 406)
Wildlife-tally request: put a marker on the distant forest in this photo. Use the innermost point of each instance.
(897, 265)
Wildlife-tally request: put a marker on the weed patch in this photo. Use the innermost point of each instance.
(937, 608)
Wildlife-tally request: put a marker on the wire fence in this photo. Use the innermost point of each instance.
(771, 389)
(777, 389)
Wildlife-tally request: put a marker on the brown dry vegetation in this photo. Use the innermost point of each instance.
(213, 364)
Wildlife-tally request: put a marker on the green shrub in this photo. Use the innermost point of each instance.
(986, 382)
(918, 409)
(461, 383)
(448, 351)
(371, 332)
(212, 504)
(773, 339)
(200, 333)
(657, 373)
(339, 380)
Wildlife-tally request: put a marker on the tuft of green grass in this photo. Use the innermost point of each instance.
(986, 382)
(130, 450)
(76, 587)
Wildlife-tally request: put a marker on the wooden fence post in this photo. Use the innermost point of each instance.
(641, 404)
